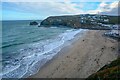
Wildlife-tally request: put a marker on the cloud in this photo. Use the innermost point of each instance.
(107, 9)
(58, 0)
(50, 8)
(113, 11)
(67, 7)
(110, 9)
(103, 4)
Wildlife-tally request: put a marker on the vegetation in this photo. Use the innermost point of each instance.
(112, 20)
(81, 21)
(108, 72)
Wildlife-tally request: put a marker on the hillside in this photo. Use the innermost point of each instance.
(81, 21)
(111, 71)
(114, 19)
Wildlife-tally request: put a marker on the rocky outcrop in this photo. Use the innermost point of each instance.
(33, 23)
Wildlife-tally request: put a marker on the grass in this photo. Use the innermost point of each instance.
(108, 72)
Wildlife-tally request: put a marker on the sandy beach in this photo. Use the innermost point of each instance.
(82, 58)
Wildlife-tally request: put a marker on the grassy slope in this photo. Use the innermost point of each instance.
(111, 71)
(114, 19)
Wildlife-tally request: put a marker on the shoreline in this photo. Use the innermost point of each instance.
(66, 45)
(74, 62)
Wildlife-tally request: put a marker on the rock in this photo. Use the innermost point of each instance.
(33, 23)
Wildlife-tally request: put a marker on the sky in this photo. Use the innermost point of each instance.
(38, 10)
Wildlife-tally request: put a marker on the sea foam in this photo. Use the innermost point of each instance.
(37, 54)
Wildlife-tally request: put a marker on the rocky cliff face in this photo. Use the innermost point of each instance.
(69, 21)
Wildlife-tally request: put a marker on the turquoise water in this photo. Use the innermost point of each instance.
(16, 33)
(26, 48)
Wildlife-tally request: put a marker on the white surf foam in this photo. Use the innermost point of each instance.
(38, 54)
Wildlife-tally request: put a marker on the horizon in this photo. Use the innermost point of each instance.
(49, 16)
(42, 10)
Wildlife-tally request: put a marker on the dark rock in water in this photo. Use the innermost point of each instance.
(39, 26)
(33, 23)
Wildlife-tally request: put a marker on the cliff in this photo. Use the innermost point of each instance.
(80, 21)
(70, 21)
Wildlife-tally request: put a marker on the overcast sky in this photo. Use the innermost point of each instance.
(28, 10)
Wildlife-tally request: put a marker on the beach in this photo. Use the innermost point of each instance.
(82, 58)
(60, 39)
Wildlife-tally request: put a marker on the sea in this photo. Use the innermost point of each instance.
(25, 48)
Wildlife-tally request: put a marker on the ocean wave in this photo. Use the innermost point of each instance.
(53, 27)
(8, 45)
(36, 55)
